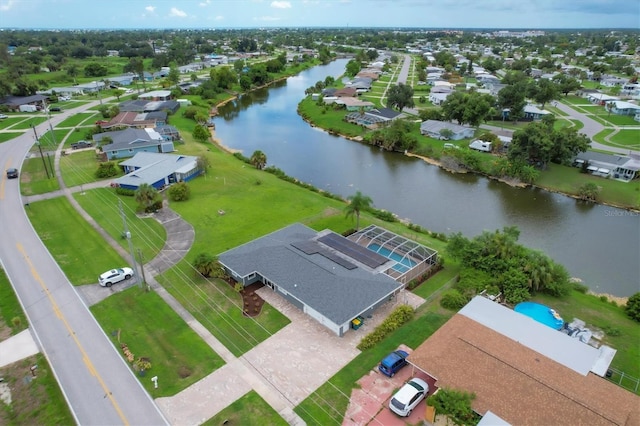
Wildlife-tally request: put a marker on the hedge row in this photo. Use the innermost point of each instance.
(400, 316)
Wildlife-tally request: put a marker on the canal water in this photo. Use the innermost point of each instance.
(599, 244)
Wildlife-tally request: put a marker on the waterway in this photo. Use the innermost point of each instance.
(599, 244)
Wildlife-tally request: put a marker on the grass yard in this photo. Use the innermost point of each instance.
(600, 137)
(328, 118)
(33, 177)
(615, 119)
(7, 136)
(573, 100)
(147, 234)
(569, 179)
(627, 138)
(79, 167)
(328, 403)
(11, 314)
(78, 119)
(50, 141)
(245, 411)
(79, 250)
(151, 329)
(8, 122)
(27, 122)
(621, 332)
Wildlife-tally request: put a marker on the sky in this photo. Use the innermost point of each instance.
(182, 14)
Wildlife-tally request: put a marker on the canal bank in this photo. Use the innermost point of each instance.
(598, 244)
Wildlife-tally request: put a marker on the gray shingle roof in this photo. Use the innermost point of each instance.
(153, 166)
(332, 290)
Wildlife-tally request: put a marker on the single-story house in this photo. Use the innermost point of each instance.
(331, 278)
(14, 102)
(523, 371)
(532, 112)
(156, 95)
(601, 98)
(345, 92)
(142, 105)
(621, 167)
(623, 108)
(355, 104)
(613, 81)
(434, 129)
(373, 118)
(137, 119)
(63, 91)
(157, 170)
(123, 80)
(129, 142)
(438, 98)
(93, 87)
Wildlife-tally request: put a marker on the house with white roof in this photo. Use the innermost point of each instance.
(623, 108)
(157, 170)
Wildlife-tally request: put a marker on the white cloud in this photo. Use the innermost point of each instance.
(281, 4)
(177, 13)
(205, 3)
(150, 9)
(219, 18)
(6, 6)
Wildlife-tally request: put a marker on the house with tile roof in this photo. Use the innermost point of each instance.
(522, 371)
(434, 129)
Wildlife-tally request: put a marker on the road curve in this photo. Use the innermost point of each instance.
(98, 385)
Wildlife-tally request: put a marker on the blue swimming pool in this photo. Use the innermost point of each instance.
(403, 265)
(541, 313)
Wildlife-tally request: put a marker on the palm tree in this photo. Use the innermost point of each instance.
(357, 203)
(145, 195)
(258, 159)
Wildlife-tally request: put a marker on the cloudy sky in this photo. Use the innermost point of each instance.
(320, 13)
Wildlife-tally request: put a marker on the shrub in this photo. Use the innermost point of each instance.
(401, 315)
(454, 404)
(453, 300)
(179, 192)
(580, 288)
(384, 215)
(125, 192)
(632, 308)
(106, 170)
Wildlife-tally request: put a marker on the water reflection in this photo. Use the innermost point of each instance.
(597, 243)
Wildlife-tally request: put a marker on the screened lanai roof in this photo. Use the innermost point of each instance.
(380, 240)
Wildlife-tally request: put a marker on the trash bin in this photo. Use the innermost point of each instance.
(357, 322)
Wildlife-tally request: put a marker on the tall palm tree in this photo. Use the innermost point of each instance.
(258, 159)
(357, 203)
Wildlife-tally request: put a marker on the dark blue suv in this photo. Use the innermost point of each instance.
(393, 362)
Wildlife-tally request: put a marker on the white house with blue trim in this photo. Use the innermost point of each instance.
(157, 170)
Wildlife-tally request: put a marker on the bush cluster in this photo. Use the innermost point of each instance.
(125, 192)
(400, 316)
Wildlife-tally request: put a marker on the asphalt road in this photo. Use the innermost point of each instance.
(97, 383)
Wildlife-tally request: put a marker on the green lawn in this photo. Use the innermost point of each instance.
(27, 122)
(33, 176)
(8, 122)
(79, 250)
(11, 313)
(78, 119)
(327, 118)
(573, 100)
(621, 332)
(245, 411)
(569, 179)
(79, 167)
(615, 119)
(151, 329)
(603, 134)
(6, 136)
(147, 234)
(628, 138)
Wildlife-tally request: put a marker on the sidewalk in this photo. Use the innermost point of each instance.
(17, 347)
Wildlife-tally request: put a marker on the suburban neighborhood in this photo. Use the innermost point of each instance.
(235, 293)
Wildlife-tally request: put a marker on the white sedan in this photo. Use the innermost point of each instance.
(115, 276)
(408, 397)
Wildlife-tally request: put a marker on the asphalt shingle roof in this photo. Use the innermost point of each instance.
(330, 289)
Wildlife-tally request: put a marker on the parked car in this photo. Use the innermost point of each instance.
(392, 363)
(80, 145)
(115, 276)
(55, 109)
(12, 173)
(3, 116)
(408, 397)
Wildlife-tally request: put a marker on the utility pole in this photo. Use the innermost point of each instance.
(40, 148)
(98, 90)
(144, 279)
(127, 235)
(53, 135)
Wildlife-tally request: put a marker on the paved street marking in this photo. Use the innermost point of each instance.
(4, 179)
(72, 333)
